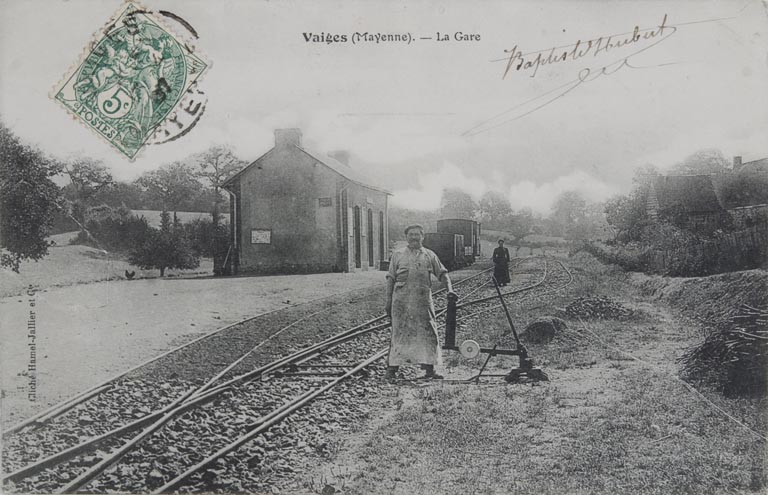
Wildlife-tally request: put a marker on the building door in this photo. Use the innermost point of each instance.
(342, 256)
(381, 236)
(356, 232)
(370, 237)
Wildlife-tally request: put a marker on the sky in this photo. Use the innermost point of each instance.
(421, 116)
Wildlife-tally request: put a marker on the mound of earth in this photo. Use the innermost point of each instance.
(598, 307)
(543, 330)
(735, 356)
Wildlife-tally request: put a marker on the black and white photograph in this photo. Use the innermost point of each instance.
(384, 247)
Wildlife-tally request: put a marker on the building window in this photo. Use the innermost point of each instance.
(261, 236)
(325, 202)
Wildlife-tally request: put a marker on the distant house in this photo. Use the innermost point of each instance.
(298, 211)
(688, 200)
(760, 165)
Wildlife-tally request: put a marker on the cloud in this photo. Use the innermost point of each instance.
(525, 194)
(431, 184)
(540, 198)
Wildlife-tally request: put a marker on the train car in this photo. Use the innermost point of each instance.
(469, 229)
(448, 247)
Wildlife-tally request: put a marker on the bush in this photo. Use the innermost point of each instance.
(113, 229)
(62, 223)
(668, 250)
(203, 238)
(163, 248)
(625, 258)
(733, 357)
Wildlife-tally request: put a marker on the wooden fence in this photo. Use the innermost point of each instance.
(739, 250)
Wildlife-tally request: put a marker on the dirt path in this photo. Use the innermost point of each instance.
(89, 332)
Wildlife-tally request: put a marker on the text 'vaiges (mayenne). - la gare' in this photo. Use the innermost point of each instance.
(375, 38)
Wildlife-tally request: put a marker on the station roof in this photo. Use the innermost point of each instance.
(343, 170)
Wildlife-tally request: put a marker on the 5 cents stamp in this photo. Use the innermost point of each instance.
(133, 77)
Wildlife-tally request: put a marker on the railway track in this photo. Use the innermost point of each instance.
(229, 333)
(133, 398)
(163, 450)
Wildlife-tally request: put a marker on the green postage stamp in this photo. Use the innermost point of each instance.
(131, 78)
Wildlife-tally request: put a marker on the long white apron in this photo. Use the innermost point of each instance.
(414, 330)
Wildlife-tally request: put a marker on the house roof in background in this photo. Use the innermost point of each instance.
(692, 193)
(760, 165)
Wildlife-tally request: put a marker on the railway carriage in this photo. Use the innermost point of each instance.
(469, 229)
(448, 247)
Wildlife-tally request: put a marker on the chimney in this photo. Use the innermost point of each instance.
(341, 156)
(287, 137)
(736, 163)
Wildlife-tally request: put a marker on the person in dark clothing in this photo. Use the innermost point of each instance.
(501, 264)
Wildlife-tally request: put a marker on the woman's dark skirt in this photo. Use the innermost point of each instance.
(501, 273)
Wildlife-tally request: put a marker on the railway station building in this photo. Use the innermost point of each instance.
(294, 210)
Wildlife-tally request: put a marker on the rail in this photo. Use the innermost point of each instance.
(203, 394)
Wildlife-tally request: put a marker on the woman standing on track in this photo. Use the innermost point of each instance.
(501, 264)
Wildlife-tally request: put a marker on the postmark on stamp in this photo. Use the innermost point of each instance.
(133, 77)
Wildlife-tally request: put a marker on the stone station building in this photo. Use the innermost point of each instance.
(298, 211)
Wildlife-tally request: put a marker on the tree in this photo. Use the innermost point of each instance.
(215, 166)
(29, 200)
(173, 185)
(707, 161)
(400, 218)
(165, 248)
(568, 208)
(522, 223)
(591, 225)
(495, 210)
(87, 178)
(113, 229)
(644, 176)
(626, 215)
(456, 203)
(744, 189)
(121, 194)
(576, 218)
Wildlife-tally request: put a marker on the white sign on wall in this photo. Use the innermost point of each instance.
(261, 236)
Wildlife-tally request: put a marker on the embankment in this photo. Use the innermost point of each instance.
(709, 299)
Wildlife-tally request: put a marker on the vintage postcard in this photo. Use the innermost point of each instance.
(375, 247)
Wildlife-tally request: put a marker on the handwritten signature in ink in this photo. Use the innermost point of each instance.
(602, 45)
(596, 47)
